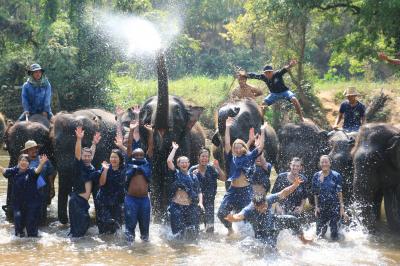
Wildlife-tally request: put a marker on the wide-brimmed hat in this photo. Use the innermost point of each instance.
(268, 68)
(35, 67)
(351, 91)
(30, 144)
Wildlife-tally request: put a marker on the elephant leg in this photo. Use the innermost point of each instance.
(64, 189)
(8, 207)
(392, 207)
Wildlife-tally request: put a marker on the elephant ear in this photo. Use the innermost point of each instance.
(394, 149)
(216, 140)
(194, 115)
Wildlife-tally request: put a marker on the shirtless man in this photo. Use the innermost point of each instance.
(245, 90)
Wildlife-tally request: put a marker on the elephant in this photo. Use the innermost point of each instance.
(172, 120)
(2, 127)
(37, 129)
(341, 144)
(306, 141)
(376, 157)
(247, 114)
(63, 140)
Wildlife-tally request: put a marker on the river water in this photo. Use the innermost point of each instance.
(53, 247)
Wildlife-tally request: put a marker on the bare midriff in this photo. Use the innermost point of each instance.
(240, 182)
(138, 186)
(181, 197)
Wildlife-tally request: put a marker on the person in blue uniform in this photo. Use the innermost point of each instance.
(82, 185)
(110, 196)
(208, 174)
(294, 203)
(25, 195)
(327, 190)
(36, 94)
(185, 198)
(260, 176)
(352, 110)
(276, 85)
(266, 225)
(240, 191)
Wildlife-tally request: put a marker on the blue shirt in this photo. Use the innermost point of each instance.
(135, 167)
(24, 190)
(112, 192)
(243, 164)
(188, 183)
(82, 174)
(262, 223)
(208, 182)
(353, 115)
(295, 198)
(36, 100)
(275, 84)
(260, 176)
(47, 169)
(327, 190)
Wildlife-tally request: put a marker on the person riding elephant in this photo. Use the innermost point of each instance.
(36, 94)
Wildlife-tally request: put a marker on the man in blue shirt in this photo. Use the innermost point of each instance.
(276, 85)
(352, 110)
(36, 94)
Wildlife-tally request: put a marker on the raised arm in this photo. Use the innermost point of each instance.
(228, 124)
(43, 160)
(170, 159)
(252, 137)
(150, 141)
(132, 127)
(292, 63)
(103, 176)
(221, 173)
(80, 133)
(96, 139)
(284, 193)
(259, 143)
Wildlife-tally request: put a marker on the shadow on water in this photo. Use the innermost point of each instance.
(54, 247)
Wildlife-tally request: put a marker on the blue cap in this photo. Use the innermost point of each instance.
(268, 68)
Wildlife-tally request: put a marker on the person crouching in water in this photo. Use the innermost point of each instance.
(240, 191)
(186, 198)
(329, 206)
(137, 201)
(294, 203)
(25, 195)
(82, 184)
(260, 176)
(110, 196)
(265, 223)
(207, 175)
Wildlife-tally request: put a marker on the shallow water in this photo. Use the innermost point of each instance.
(55, 248)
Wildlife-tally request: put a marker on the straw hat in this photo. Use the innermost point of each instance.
(351, 91)
(30, 144)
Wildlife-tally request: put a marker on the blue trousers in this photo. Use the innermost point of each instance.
(79, 219)
(108, 217)
(184, 220)
(27, 215)
(235, 199)
(208, 203)
(328, 215)
(137, 209)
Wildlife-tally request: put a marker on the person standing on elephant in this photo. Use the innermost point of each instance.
(276, 85)
(245, 90)
(186, 198)
(294, 203)
(266, 225)
(329, 206)
(45, 182)
(82, 185)
(110, 196)
(352, 110)
(207, 175)
(260, 176)
(36, 94)
(26, 199)
(240, 191)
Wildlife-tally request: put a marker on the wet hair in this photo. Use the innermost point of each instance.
(137, 152)
(180, 158)
(325, 156)
(86, 149)
(120, 156)
(203, 150)
(297, 160)
(258, 199)
(23, 156)
(244, 149)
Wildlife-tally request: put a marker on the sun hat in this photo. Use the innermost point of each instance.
(30, 144)
(351, 91)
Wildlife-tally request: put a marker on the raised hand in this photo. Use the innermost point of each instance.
(96, 138)
(216, 164)
(292, 62)
(136, 109)
(134, 124)
(229, 122)
(119, 140)
(148, 127)
(43, 159)
(105, 165)
(79, 132)
(297, 181)
(119, 111)
(175, 145)
(251, 135)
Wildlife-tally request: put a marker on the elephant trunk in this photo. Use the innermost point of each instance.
(161, 119)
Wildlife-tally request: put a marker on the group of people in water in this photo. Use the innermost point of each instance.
(124, 182)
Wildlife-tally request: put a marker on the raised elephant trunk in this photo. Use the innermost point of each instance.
(161, 119)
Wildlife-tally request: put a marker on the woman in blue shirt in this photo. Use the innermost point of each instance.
(327, 190)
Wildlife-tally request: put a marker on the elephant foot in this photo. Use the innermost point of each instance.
(392, 208)
(63, 219)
